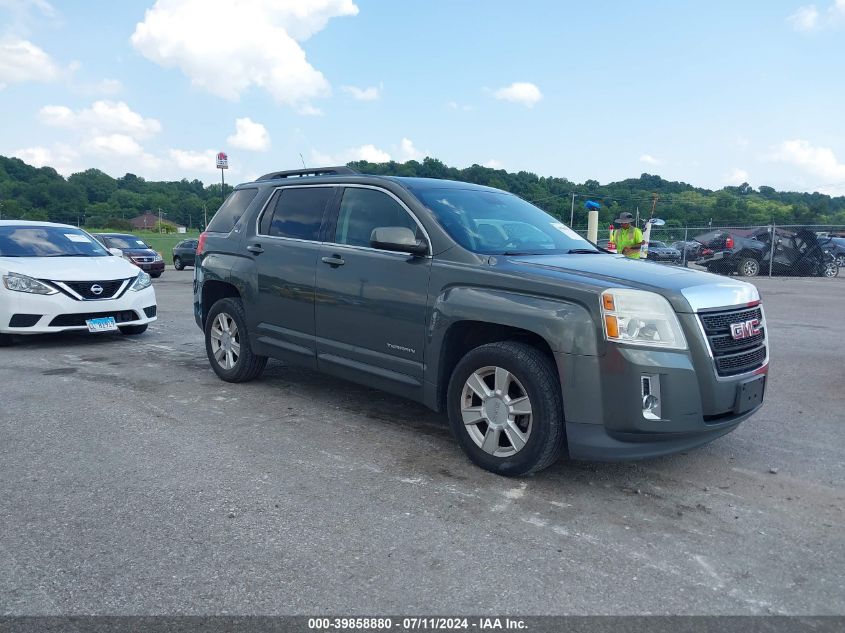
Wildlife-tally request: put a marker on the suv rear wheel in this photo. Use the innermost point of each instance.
(505, 408)
(177, 263)
(227, 343)
(748, 267)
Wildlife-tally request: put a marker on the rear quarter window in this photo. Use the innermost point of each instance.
(231, 210)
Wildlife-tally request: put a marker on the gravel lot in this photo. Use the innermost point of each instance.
(133, 481)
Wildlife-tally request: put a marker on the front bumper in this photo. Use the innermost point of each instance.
(603, 401)
(155, 268)
(60, 313)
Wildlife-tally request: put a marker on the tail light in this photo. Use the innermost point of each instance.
(729, 242)
(201, 244)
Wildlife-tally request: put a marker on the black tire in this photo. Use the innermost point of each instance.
(5, 340)
(132, 330)
(536, 374)
(155, 275)
(248, 365)
(178, 264)
(829, 270)
(748, 267)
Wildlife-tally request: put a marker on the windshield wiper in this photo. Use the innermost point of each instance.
(581, 251)
(516, 253)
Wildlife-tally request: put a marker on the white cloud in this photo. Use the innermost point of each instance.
(226, 47)
(737, 176)
(189, 160)
(102, 117)
(21, 60)
(805, 18)
(108, 87)
(809, 18)
(368, 152)
(819, 162)
(250, 135)
(407, 151)
(454, 105)
(60, 157)
(493, 164)
(520, 92)
(372, 93)
(119, 144)
(648, 158)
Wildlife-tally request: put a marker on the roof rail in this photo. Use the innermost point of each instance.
(317, 171)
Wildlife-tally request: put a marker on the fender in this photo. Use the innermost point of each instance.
(565, 325)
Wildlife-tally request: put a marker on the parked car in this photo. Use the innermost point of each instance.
(660, 252)
(56, 277)
(694, 250)
(749, 252)
(836, 247)
(135, 250)
(388, 281)
(184, 254)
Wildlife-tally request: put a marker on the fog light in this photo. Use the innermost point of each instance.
(650, 391)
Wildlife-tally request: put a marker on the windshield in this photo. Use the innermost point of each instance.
(496, 223)
(124, 242)
(48, 241)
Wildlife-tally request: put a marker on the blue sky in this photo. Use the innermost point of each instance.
(711, 92)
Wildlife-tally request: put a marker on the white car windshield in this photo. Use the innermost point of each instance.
(48, 241)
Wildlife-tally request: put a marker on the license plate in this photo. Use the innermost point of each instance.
(749, 394)
(106, 324)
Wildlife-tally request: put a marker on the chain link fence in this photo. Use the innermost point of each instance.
(795, 249)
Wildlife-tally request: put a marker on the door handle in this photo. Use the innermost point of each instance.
(255, 248)
(334, 261)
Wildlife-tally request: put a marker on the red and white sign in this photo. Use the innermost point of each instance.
(222, 160)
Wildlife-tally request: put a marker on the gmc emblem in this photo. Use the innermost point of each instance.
(745, 329)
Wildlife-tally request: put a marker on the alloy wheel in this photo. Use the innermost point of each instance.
(830, 269)
(225, 341)
(496, 411)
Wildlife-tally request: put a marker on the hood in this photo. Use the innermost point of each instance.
(687, 290)
(70, 268)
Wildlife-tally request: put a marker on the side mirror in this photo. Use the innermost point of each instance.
(656, 222)
(398, 238)
(116, 252)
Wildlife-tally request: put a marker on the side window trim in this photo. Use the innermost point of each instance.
(335, 218)
(271, 207)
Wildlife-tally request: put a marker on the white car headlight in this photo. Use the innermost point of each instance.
(141, 281)
(22, 283)
(639, 317)
(158, 257)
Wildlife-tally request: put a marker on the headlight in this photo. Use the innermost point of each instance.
(158, 257)
(142, 281)
(22, 283)
(638, 317)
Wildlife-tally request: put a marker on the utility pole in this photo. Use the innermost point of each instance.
(204, 217)
(572, 212)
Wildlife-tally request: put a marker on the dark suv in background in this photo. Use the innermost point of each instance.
(477, 303)
(185, 254)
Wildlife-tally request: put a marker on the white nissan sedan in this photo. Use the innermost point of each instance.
(56, 277)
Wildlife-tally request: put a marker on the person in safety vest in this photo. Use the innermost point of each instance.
(628, 238)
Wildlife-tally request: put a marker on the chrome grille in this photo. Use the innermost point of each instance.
(732, 356)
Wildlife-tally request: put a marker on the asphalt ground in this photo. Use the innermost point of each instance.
(133, 481)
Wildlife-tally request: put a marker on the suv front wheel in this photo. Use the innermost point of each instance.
(505, 408)
(227, 343)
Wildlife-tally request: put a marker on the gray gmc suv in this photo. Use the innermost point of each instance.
(477, 303)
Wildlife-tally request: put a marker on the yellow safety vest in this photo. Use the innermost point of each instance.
(625, 238)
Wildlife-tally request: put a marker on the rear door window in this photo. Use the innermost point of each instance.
(231, 210)
(296, 212)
